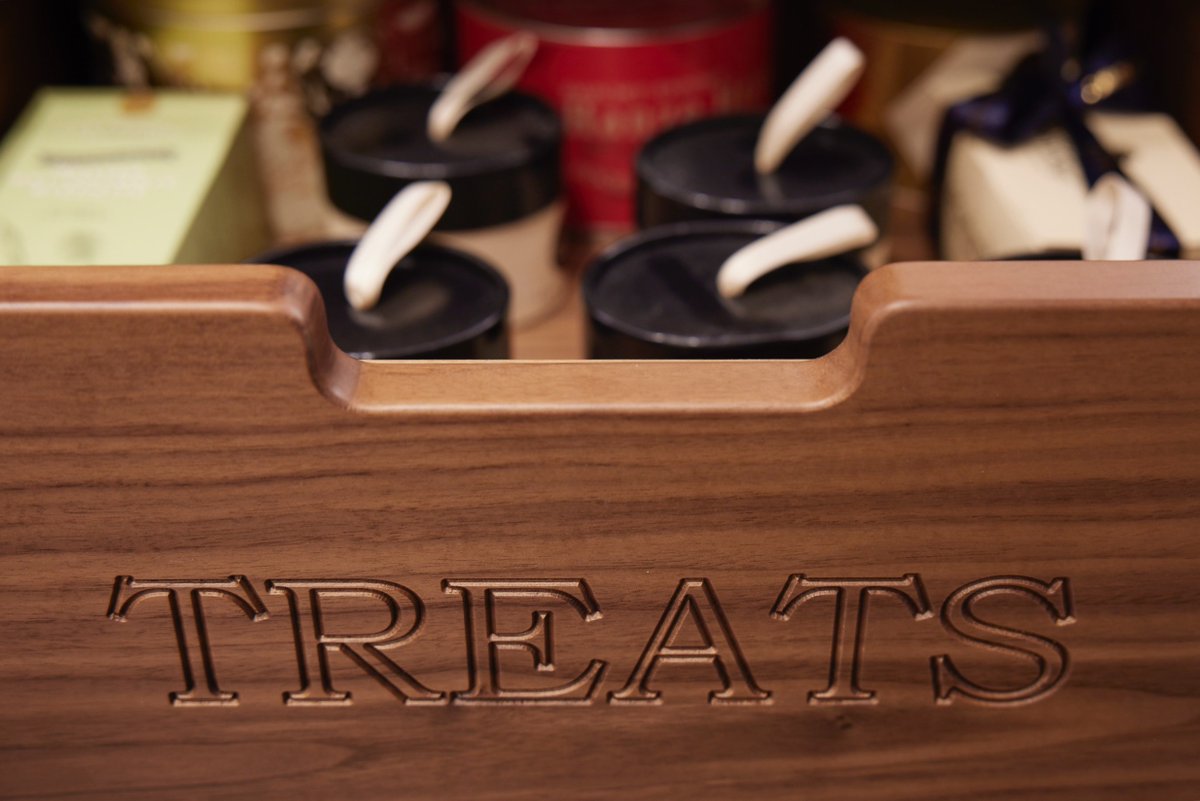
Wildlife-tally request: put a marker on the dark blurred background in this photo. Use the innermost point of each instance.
(73, 42)
(301, 57)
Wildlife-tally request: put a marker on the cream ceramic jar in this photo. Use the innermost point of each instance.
(502, 165)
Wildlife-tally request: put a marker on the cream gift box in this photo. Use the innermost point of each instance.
(106, 176)
(1002, 202)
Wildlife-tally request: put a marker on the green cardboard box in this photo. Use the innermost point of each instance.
(108, 176)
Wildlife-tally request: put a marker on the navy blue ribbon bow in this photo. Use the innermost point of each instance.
(1046, 90)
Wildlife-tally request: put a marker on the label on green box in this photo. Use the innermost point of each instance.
(104, 176)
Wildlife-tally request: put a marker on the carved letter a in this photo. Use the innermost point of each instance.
(694, 599)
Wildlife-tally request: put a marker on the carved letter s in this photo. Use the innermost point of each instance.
(959, 618)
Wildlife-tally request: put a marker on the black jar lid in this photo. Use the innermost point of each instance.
(437, 303)
(655, 294)
(502, 161)
(706, 169)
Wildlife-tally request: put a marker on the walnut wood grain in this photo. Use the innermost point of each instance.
(1007, 444)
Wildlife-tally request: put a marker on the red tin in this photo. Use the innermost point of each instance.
(619, 73)
(410, 40)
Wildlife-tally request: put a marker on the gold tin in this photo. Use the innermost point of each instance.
(901, 41)
(295, 59)
(332, 46)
